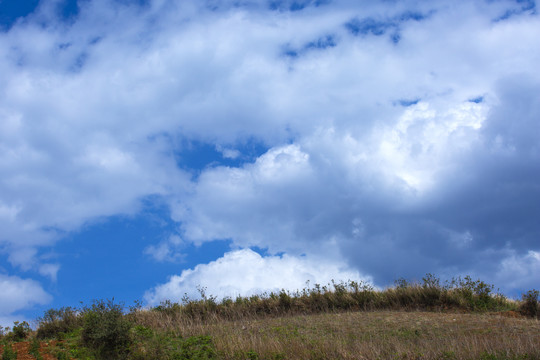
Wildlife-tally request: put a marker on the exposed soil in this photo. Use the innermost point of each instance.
(510, 314)
(23, 347)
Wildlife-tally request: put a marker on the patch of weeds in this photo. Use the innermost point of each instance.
(286, 331)
(72, 347)
(142, 332)
(487, 356)
(79, 352)
(406, 333)
(504, 356)
(197, 347)
(252, 355)
(34, 349)
(168, 307)
(317, 354)
(73, 335)
(9, 353)
(148, 344)
(448, 355)
(61, 355)
(398, 356)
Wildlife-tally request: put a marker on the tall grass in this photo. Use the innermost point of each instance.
(429, 319)
(457, 295)
(376, 335)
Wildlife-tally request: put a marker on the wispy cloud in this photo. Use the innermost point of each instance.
(168, 250)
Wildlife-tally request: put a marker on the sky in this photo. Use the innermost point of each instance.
(151, 148)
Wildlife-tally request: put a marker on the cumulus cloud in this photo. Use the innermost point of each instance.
(420, 184)
(432, 192)
(401, 133)
(245, 272)
(18, 294)
(519, 271)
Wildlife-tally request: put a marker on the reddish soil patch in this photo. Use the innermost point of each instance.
(509, 314)
(23, 347)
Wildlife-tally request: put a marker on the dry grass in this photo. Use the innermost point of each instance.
(460, 319)
(366, 335)
(375, 335)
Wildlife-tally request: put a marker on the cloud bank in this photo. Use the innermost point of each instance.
(399, 137)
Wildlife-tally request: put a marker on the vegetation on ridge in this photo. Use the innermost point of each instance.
(427, 320)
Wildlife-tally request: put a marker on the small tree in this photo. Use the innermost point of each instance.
(106, 331)
(20, 330)
(530, 305)
(56, 322)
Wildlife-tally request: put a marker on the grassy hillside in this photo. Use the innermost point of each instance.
(461, 319)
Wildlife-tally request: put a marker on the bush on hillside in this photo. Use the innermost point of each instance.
(530, 306)
(57, 322)
(105, 330)
(20, 331)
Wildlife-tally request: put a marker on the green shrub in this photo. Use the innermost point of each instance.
(55, 323)
(61, 355)
(106, 331)
(475, 294)
(196, 348)
(20, 330)
(530, 306)
(285, 300)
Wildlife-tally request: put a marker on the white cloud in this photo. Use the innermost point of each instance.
(167, 250)
(228, 153)
(18, 294)
(426, 190)
(296, 196)
(92, 113)
(519, 272)
(49, 270)
(245, 272)
(256, 205)
(115, 80)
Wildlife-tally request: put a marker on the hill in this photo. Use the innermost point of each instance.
(458, 320)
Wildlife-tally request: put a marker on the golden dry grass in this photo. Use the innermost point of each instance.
(372, 335)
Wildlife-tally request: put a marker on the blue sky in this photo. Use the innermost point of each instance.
(151, 147)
